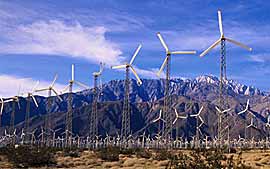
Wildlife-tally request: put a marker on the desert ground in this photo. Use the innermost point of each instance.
(85, 159)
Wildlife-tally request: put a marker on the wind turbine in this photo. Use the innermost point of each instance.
(177, 116)
(223, 121)
(50, 89)
(68, 130)
(245, 120)
(226, 127)
(198, 130)
(267, 124)
(252, 124)
(167, 101)
(161, 120)
(2, 102)
(125, 128)
(14, 99)
(93, 119)
(30, 95)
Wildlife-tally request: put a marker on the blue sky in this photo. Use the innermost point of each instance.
(41, 38)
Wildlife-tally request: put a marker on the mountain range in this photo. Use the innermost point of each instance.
(188, 95)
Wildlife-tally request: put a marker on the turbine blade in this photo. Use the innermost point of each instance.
(34, 88)
(200, 110)
(41, 90)
(201, 119)
(65, 89)
(57, 94)
(239, 44)
(119, 67)
(55, 78)
(81, 84)
(174, 120)
(139, 82)
(72, 72)
(163, 42)
(243, 111)
(218, 109)
(135, 54)
(183, 52)
(176, 114)
(2, 106)
(34, 99)
(162, 66)
(220, 23)
(210, 48)
(182, 117)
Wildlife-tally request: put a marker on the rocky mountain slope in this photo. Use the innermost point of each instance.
(188, 95)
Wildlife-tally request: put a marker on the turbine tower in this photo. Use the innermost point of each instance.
(50, 89)
(30, 95)
(167, 100)
(198, 130)
(93, 118)
(223, 120)
(245, 121)
(68, 130)
(2, 102)
(177, 116)
(125, 128)
(267, 125)
(15, 99)
(161, 120)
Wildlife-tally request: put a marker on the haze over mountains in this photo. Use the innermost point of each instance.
(188, 95)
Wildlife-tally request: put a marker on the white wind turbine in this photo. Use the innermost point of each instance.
(93, 117)
(2, 102)
(223, 121)
(245, 120)
(159, 119)
(177, 116)
(68, 129)
(50, 89)
(222, 37)
(267, 124)
(169, 53)
(125, 128)
(167, 104)
(198, 117)
(129, 65)
(30, 95)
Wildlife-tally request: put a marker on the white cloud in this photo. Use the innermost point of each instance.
(59, 38)
(10, 85)
(152, 73)
(260, 58)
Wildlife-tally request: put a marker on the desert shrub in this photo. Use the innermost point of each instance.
(143, 153)
(206, 159)
(29, 156)
(128, 151)
(179, 161)
(163, 154)
(109, 154)
(72, 152)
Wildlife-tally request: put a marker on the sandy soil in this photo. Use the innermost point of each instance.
(255, 158)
